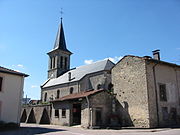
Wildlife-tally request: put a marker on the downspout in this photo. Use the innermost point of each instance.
(157, 107)
(89, 117)
(177, 84)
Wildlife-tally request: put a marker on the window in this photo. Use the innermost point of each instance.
(45, 97)
(173, 114)
(165, 113)
(65, 63)
(58, 93)
(110, 87)
(63, 113)
(61, 62)
(71, 90)
(56, 113)
(1, 79)
(0, 108)
(162, 92)
(50, 63)
(99, 86)
(54, 62)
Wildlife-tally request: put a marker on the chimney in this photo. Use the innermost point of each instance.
(69, 76)
(156, 54)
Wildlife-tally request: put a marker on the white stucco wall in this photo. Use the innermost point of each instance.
(10, 97)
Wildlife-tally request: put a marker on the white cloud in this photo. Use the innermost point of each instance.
(114, 59)
(34, 86)
(88, 61)
(20, 65)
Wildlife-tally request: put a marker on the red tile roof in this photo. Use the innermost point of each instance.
(78, 95)
(10, 71)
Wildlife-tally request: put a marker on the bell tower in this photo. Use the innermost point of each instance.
(59, 56)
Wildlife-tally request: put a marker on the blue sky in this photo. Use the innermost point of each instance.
(94, 30)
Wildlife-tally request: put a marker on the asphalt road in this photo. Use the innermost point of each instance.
(33, 129)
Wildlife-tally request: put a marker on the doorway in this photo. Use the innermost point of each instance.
(98, 114)
(76, 112)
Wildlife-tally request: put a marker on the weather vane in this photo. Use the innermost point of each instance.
(61, 12)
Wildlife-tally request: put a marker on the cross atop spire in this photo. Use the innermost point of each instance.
(61, 12)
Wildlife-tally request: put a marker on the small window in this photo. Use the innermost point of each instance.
(56, 113)
(1, 79)
(54, 62)
(99, 86)
(162, 92)
(65, 63)
(45, 97)
(63, 113)
(71, 90)
(50, 63)
(165, 113)
(110, 87)
(58, 94)
(0, 108)
(61, 62)
(173, 114)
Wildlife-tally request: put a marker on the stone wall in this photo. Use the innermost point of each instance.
(130, 85)
(39, 114)
(64, 121)
(91, 81)
(100, 101)
(64, 90)
(169, 76)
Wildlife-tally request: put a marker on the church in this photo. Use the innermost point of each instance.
(74, 92)
(141, 92)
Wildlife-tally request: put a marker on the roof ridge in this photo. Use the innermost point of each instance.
(7, 70)
(94, 63)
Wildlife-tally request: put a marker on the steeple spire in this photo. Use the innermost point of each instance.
(59, 56)
(60, 42)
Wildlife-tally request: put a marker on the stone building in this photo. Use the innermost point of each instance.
(140, 92)
(147, 91)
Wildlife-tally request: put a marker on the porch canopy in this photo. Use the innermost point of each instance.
(77, 95)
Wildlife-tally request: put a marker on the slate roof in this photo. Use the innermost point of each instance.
(79, 72)
(10, 71)
(60, 42)
(77, 95)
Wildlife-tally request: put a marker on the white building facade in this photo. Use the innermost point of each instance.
(11, 93)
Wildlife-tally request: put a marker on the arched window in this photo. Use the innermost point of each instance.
(45, 97)
(71, 90)
(54, 62)
(61, 62)
(99, 86)
(50, 63)
(110, 87)
(58, 93)
(65, 63)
